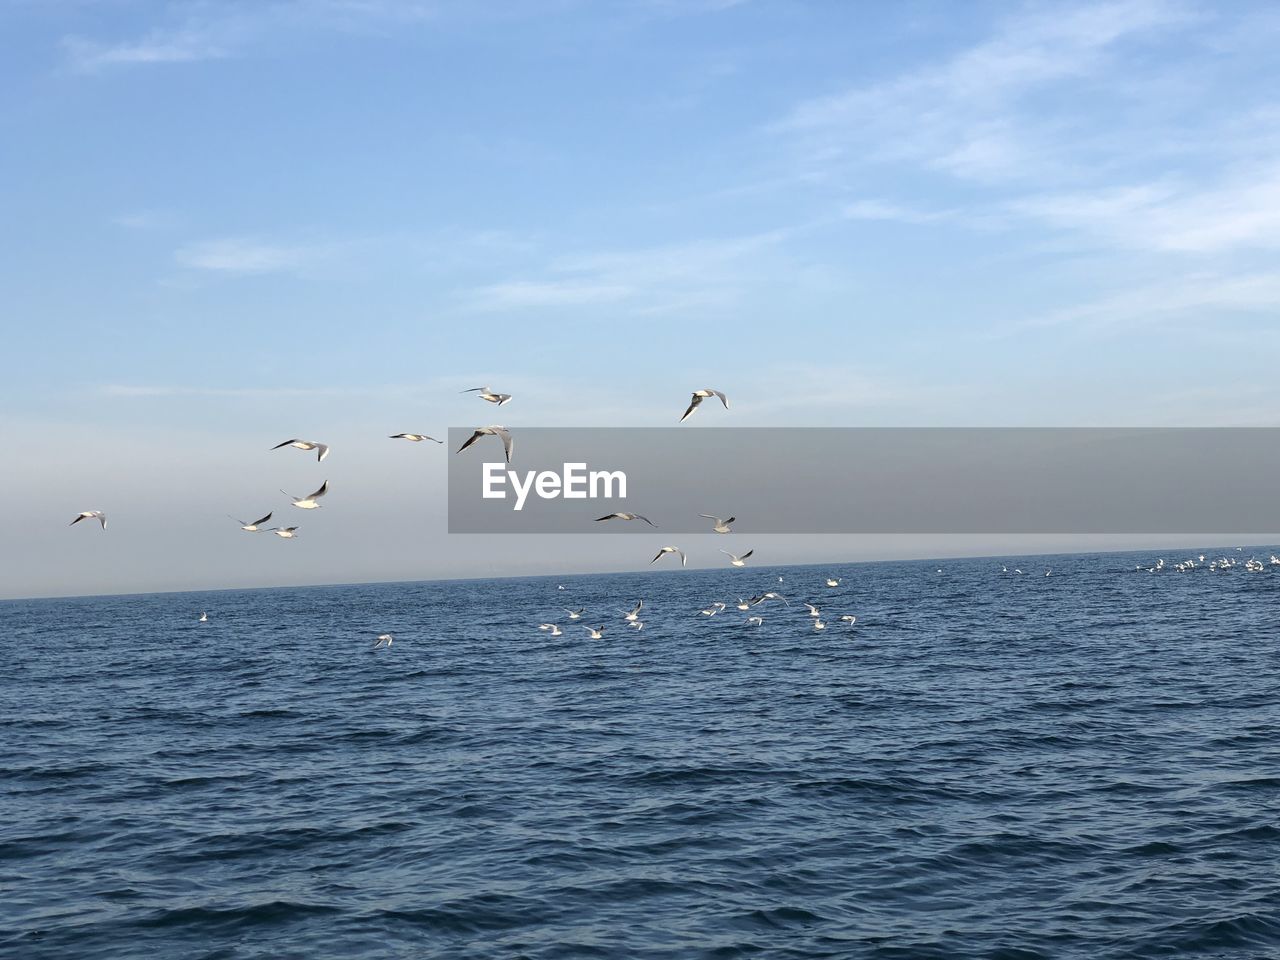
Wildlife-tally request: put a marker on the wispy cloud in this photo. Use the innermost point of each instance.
(244, 255)
(882, 210)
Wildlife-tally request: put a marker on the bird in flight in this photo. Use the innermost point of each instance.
(596, 634)
(415, 437)
(735, 560)
(252, 527)
(494, 431)
(575, 614)
(490, 395)
(321, 449)
(634, 615)
(625, 516)
(554, 630)
(91, 515)
(721, 526)
(383, 641)
(684, 561)
(287, 532)
(698, 397)
(309, 502)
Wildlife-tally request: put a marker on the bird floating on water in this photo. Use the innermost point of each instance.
(204, 617)
(698, 397)
(755, 621)
(321, 449)
(849, 618)
(90, 515)
(676, 550)
(415, 437)
(309, 502)
(254, 527)
(832, 582)
(491, 431)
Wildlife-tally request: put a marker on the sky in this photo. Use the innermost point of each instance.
(229, 224)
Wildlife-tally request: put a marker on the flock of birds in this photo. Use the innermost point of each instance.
(1201, 562)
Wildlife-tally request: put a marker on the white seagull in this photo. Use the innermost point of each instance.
(832, 582)
(415, 437)
(596, 634)
(204, 617)
(638, 624)
(309, 502)
(384, 641)
(252, 527)
(813, 611)
(721, 526)
(490, 395)
(322, 450)
(712, 610)
(735, 560)
(684, 561)
(625, 516)
(819, 625)
(698, 397)
(554, 630)
(849, 618)
(634, 615)
(575, 614)
(755, 621)
(286, 532)
(768, 596)
(91, 515)
(491, 431)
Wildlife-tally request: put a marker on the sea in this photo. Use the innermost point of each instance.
(987, 764)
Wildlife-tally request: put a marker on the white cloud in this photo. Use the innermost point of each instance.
(181, 46)
(241, 255)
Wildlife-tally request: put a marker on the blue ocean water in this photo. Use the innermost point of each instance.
(986, 765)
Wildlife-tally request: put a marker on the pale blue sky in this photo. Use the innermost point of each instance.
(252, 221)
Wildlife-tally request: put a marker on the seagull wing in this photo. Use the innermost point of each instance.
(693, 405)
(747, 554)
(470, 440)
(259, 522)
(654, 560)
(612, 516)
(322, 451)
(324, 488)
(285, 444)
(507, 442)
(646, 520)
(723, 398)
(76, 520)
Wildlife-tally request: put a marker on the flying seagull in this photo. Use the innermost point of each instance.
(736, 561)
(596, 634)
(721, 526)
(415, 437)
(493, 431)
(769, 596)
(849, 618)
(384, 641)
(699, 396)
(637, 624)
(490, 395)
(712, 610)
(813, 611)
(575, 614)
(625, 516)
(286, 532)
(308, 502)
(252, 527)
(684, 561)
(755, 621)
(555, 630)
(634, 615)
(322, 450)
(91, 515)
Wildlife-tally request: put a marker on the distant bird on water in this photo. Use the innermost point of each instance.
(735, 560)
(755, 621)
(309, 502)
(383, 641)
(204, 617)
(492, 431)
(698, 397)
(684, 561)
(254, 527)
(720, 526)
(625, 516)
(596, 634)
(91, 515)
(832, 582)
(490, 395)
(322, 450)
(415, 437)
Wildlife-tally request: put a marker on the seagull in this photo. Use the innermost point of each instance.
(415, 437)
(699, 396)
(819, 625)
(743, 604)
(735, 560)
(712, 610)
(1049, 571)
(91, 515)
(384, 641)
(849, 618)
(638, 624)
(487, 394)
(721, 526)
(596, 634)
(286, 532)
(252, 527)
(755, 621)
(813, 611)
(832, 582)
(575, 614)
(204, 617)
(322, 450)
(309, 502)
(625, 516)
(493, 431)
(768, 596)
(555, 630)
(634, 615)
(684, 561)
